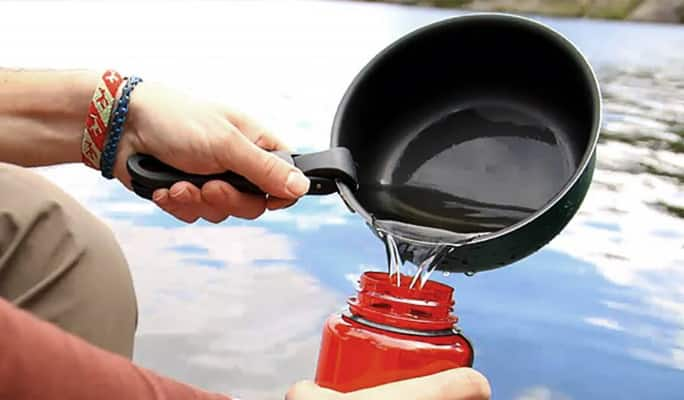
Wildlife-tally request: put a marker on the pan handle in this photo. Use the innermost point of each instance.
(323, 169)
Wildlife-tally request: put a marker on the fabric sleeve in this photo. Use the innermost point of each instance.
(40, 361)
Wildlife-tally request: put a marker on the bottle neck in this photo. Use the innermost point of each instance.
(382, 301)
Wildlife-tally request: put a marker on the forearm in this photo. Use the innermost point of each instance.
(39, 361)
(42, 115)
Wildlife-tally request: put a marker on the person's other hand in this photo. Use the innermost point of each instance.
(455, 384)
(201, 137)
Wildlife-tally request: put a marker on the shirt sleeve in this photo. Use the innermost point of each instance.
(40, 361)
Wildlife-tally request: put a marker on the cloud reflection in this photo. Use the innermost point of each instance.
(604, 323)
(223, 307)
(250, 327)
(328, 210)
(252, 323)
(643, 248)
(541, 393)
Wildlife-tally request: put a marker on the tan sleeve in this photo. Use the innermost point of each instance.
(40, 361)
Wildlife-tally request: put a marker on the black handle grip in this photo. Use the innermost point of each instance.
(324, 169)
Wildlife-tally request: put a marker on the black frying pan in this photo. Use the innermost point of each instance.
(477, 132)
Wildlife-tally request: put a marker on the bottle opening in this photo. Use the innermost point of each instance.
(381, 300)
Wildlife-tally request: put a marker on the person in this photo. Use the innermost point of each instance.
(68, 311)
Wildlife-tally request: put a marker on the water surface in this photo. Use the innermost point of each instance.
(238, 307)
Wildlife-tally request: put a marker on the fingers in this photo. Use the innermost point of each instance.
(178, 201)
(258, 134)
(254, 161)
(274, 203)
(270, 173)
(214, 140)
(269, 142)
(215, 202)
(307, 390)
(223, 200)
(455, 384)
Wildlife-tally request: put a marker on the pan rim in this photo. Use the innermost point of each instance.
(583, 63)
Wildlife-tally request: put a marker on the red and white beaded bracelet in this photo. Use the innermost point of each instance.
(99, 115)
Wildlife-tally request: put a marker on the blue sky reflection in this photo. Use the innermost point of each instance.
(238, 307)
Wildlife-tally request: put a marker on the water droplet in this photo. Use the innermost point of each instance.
(470, 273)
(446, 273)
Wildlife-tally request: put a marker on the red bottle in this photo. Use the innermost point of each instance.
(391, 333)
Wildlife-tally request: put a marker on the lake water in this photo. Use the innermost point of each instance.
(238, 307)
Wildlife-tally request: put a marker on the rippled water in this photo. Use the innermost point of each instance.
(238, 307)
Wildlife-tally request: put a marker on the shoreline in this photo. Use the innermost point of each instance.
(653, 11)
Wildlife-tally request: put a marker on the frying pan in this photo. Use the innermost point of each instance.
(476, 133)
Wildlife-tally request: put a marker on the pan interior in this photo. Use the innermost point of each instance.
(472, 169)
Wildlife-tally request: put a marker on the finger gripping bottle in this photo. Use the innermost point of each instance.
(390, 333)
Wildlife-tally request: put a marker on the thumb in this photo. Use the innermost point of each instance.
(454, 384)
(266, 170)
(307, 390)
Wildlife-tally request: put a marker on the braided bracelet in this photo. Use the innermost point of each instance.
(108, 158)
(98, 119)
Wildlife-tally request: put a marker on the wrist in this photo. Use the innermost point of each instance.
(130, 142)
(64, 98)
(107, 150)
(46, 107)
(102, 123)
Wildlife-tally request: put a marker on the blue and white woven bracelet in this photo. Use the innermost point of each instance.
(108, 158)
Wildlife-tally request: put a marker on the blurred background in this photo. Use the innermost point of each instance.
(238, 307)
(630, 10)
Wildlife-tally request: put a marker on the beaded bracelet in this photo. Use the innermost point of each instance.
(108, 158)
(98, 119)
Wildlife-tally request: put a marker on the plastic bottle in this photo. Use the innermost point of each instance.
(391, 333)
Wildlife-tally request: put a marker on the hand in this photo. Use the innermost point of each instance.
(455, 384)
(200, 137)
